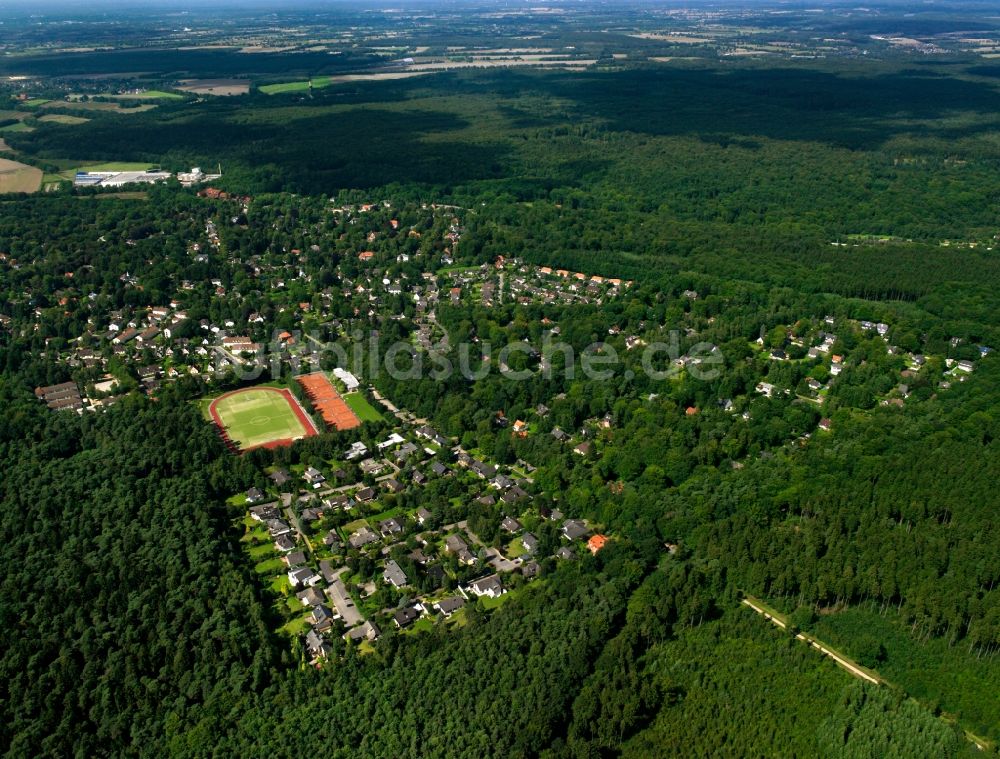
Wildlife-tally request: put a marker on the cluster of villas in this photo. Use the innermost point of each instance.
(433, 570)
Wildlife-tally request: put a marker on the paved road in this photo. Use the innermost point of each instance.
(293, 520)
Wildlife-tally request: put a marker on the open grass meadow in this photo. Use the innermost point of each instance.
(360, 406)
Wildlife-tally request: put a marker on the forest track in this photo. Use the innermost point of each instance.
(843, 661)
(847, 664)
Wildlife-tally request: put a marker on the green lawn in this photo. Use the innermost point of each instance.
(261, 552)
(259, 416)
(385, 515)
(258, 535)
(493, 603)
(270, 566)
(424, 624)
(295, 626)
(281, 585)
(360, 406)
(514, 549)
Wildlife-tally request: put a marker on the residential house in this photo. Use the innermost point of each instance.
(390, 527)
(314, 477)
(362, 537)
(404, 452)
(327, 570)
(295, 558)
(406, 617)
(596, 543)
(501, 482)
(357, 450)
(280, 477)
(278, 527)
(454, 544)
(303, 576)
(513, 495)
(310, 597)
(531, 569)
(264, 512)
(316, 647)
(394, 575)
(365, 631)
(529, 542)
(510, 525)
(484, 469)
(321, 617)
(449, 606)
(574, 529)
(490, 586)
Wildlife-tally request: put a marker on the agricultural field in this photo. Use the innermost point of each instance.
(149, 95)
(18, 177)
(300, 86)
(325, 81)
(20, 126)
(258, 417)
(62, 118)
(99, 106)
(217, 87)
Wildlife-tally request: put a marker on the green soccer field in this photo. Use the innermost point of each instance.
(259, 417)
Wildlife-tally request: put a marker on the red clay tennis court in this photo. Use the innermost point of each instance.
(327, 401)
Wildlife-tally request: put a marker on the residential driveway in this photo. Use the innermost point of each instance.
(499, 563)
(493, 557)
(341, 599)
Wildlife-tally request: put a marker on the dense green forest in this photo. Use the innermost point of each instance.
(132, 605)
